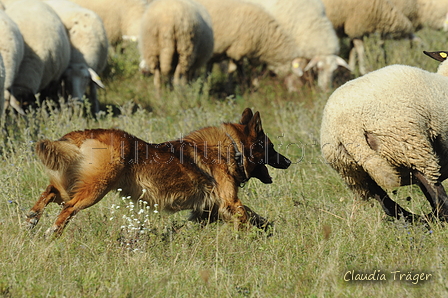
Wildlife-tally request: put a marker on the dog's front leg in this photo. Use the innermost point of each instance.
(234, 212)
(257, 220)
(240, 214)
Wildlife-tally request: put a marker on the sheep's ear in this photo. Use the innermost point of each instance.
(439, 56)
(246, 116)
(341, 62)
(313, 62)
(96, 78)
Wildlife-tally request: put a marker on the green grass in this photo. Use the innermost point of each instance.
(322, 231)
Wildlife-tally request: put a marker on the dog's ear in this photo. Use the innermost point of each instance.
(246, 117)
(254, 124)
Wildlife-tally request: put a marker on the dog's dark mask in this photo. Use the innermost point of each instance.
(262, 151)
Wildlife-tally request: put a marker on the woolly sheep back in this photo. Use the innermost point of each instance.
(358, 18)
(247, 30)
(315, 38)
(120, 17)
(433, 13)
(86, 33)
(89, 48)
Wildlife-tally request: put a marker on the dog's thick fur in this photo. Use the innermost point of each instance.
(201, 172)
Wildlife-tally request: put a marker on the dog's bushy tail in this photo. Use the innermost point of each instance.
(57, 155)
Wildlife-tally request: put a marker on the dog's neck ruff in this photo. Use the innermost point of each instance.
(239, 158)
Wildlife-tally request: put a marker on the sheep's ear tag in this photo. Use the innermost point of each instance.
(439, 56)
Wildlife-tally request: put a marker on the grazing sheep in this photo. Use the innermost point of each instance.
(89, 47)
(358, 18)
(47, 48)
(12, 50)
(387, 129)
(246, 30)
(121, 18)
(176, 38)
(314, 35)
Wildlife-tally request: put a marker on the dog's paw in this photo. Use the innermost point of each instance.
(52, 231)
(31, 220)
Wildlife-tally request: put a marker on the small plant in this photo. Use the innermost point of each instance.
(136, 227)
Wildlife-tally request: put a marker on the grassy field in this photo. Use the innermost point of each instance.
(324, 237)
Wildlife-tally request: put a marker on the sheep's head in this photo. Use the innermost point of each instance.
(326, 65)
(304, 69)
(77, 77)
(440, 56)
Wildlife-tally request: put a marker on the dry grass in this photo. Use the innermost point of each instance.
(321, 230)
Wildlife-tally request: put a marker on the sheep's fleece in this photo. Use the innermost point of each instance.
(388, 126)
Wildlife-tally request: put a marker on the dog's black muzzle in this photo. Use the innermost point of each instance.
(278, 161)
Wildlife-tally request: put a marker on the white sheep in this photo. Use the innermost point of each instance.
(358, 18)
(12, 50)
(314, 35)
(425, 13)
(387, 129)
(89, 47)
(433, 13)
(410, 9)
(245, 30)
(47, 48)
(121, 18)
(176, 38)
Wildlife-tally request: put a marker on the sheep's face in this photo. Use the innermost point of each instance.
(76, 79)
(325, 66)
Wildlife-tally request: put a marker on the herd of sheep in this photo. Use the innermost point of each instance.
(60, 46)
(382, 130)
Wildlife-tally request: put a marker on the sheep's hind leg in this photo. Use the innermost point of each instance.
(435, 194)
(390, 207)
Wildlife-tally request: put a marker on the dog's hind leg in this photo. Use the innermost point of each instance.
(51, 194)
(87, 194)
(206, 216)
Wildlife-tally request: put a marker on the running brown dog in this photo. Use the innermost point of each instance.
(201, 171)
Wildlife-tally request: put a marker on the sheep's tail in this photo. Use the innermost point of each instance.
(364, 151)
(57, 155)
